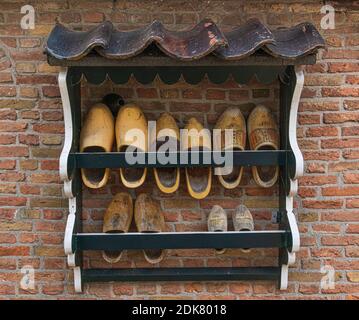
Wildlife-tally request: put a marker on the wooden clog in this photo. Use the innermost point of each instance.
(131, 117)
(217, 222)
(198, 179)
(232, 119)
(117, 219)
(149, 218)
(263, 135)
(97, 135)
(242, 221)
(167, 131)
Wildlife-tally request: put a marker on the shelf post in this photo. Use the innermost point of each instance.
(70, 96)
(290, 90)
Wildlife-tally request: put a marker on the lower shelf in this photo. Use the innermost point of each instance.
(181, 274)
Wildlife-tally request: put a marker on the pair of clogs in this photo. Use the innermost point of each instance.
(194, 138)
(242, 221)
(262, 135)
(148, 218)
(98, 134)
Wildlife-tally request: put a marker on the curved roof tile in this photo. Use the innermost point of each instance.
(203, 39)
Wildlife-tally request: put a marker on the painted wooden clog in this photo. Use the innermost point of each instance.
(242, 221)
(198, 179)
(231, 119)
(167, 132)
(97, 135)
(117, 219)
(131, 134)
(217, 222)
(263, 135)
(149, 218)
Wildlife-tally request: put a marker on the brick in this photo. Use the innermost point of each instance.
(7, 164)
(340, 143)
(48, 128)
(351, 105)
(25, 67)
(340, 191)
(341, 216)
(321, 131)
(317, 180)
(45, 152)
(9, 151)
(149, 93)
(28, 164)
(6, 289)
(8, 188)
(340, 117)
(339, 240)
(214, 94)
(351, 178)
(12, 176)
(352, 203)
(308, 119)
(315, 168)
(29, 139)
(8, 91)
(189, 107)
(49, 251)
(353, 276)
(17, 104)
(5, 77)
(36, 79)
(343, 166)
(29, 92)
(351, 154)
(322, 204)
(52, 115)
(93, 17)
(14, 251)
(343, 67)
(350, 131)
(29, 42)
(192, 94)
(9, 126)
(50, 91)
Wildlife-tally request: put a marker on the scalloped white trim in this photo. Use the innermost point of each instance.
(64, 156)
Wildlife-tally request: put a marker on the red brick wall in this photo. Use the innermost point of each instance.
(32, 207)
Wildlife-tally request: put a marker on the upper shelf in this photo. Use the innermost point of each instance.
(204, 45)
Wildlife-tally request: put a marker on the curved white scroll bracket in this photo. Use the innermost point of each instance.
(68, 189)
(71, 260)
(292, 221)
(283, 285)
(77, 279)
(66, 106)
(70, 226)
(293, 124)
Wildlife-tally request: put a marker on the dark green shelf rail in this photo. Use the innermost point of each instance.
(201, 158)
(181, 240)
(182, 274)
